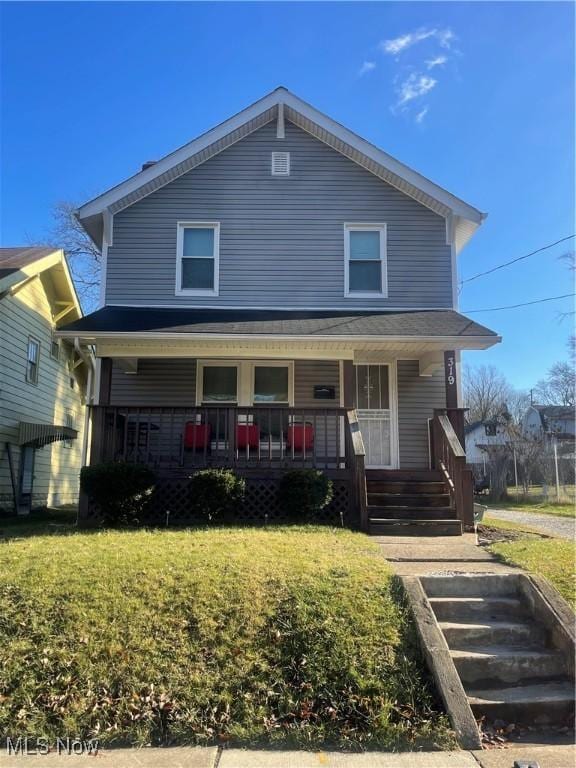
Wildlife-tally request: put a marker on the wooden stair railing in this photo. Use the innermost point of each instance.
(357, 453)
(449, 457)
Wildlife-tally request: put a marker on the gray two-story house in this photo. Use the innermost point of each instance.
(281, 293)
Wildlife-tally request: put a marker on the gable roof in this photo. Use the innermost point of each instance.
(561, 412)
(462, 219)
(20, 264)
(14, 260)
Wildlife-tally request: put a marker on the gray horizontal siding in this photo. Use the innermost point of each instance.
(307, 374)
(167, 381)
(417, 398)
(281, 240)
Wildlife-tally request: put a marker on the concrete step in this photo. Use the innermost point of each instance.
(461, 635)
(409, 487)
(414, 527)
(460, 609)
(535, 704)
(501, 664)
(418, 501)
(375, 511)
(471, 584)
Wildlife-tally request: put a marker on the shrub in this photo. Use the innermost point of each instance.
(303, 493)
(216, 492)
(121, 490)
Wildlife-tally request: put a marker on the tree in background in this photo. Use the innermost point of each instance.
(559, 387)
(489, 396)
(84, 257)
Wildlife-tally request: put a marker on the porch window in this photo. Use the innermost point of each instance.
(197, 258)
(220, 384)
(365, 260)
(271, 384)
(32, 360)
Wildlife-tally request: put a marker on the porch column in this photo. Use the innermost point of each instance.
(455, 414)
(96, 426)
(348, 384)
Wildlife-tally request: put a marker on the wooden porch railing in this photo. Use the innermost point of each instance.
(449, 456)
(357, 454)
(174, 438)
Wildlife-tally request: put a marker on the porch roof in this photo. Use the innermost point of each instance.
(150, 322)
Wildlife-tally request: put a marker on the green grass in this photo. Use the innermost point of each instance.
(284, 636)
(539, 507)
(552, 558)
(508, 525)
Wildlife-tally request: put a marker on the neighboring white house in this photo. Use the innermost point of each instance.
(42, 382)
(550, 420)
(479, 435)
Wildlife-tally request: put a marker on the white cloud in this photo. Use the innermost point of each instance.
(437, 61)
(413, 87)
(398, 44)
(366, 67)
(421, 115)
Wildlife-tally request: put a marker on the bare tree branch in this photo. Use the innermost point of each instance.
(83, 255)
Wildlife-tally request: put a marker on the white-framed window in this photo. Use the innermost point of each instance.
(55, 349)
(32, 360)
(365, 267)
(69, 421)
(245, 382)
(197, 258)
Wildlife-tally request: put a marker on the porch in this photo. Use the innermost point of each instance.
(263, 391)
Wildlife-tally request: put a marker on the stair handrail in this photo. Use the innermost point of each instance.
(357, 454)
(449, 456)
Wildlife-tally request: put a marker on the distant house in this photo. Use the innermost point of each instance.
(42, 382)
(550, 421)
(481, 434)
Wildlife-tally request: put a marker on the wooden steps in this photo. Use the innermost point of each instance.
(410, 503)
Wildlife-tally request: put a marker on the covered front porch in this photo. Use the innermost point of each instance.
(325, 398)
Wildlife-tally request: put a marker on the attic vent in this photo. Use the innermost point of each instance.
(280, 163)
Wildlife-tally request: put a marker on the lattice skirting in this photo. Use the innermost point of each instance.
(169, 505)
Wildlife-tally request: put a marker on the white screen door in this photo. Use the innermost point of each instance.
(374, 415)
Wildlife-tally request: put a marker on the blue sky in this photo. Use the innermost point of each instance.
(479, 97)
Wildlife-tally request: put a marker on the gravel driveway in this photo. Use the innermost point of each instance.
(563, 527)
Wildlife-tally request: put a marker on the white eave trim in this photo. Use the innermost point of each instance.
(231, 337)
(278, 97)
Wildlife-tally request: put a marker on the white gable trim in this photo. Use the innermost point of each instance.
(277, 105)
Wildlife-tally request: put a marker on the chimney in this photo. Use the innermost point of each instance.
(148, 164)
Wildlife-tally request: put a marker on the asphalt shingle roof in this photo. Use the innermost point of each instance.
(13, 259)
(279, 322)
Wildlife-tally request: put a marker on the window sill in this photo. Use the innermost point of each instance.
(365, 295)
(196, 293)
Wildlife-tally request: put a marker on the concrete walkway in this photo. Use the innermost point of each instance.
(551, 525)
(212, 757)
(417, 555)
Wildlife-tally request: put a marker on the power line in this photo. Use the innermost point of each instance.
(515, 306)
(513, 261)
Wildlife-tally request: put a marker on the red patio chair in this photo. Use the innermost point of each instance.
(300, 438)
(196, 436)
(247, 437)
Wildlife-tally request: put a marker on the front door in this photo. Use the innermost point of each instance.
(373, 405)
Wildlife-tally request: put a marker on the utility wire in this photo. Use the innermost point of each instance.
(515, 306)
(513, 261)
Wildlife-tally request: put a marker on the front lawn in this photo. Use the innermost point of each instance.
(287, 636)
(552, 558)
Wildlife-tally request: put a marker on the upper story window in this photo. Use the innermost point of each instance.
(198, 246)
(365, 260)
(32, 360)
